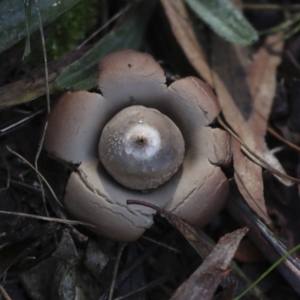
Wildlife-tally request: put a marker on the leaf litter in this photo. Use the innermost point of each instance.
(28, 245)
(246, 107)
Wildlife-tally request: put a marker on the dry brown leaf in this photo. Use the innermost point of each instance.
(266, 241)
(32, 85)
(184, 33)
(245, 92)
(264, 163)
(248, 178)
(248, 252)
(203, 283)
(201, 243)
(197, 241)
(262, 82)
(228, 292)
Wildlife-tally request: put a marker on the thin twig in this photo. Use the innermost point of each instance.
(251, 6)
(160, 244)
(39, 177)
(115, 272)
(293, 59)
(282, 139)
(4, 293)
(261, 277)
(43, 178)
(116, 16)
(36, 167)
(22, 184)
(57, 220)
(147, 287)
(44, 54)
(13, 126)
(8, 174)
(260, 161)
(284, 25)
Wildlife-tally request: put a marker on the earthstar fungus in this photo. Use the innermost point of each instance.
(194, 188)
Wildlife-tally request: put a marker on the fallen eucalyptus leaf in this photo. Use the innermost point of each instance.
(246, 91)
(183, 31)
(203, 283)
(225, 20)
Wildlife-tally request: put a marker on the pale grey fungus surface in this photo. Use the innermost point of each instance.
(141, 148)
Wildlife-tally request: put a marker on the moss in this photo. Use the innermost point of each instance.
(68, 30)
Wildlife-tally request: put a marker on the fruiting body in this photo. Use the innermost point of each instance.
(196, 192)
(141, 148)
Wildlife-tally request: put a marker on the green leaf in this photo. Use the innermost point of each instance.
(83, 73)
(13, 20)
(225, 20)
(27, 9)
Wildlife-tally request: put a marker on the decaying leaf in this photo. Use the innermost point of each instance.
(262, 82)
(202, 244)
(246, 93)
(248, 177)
(269, 245)
(185, 35)
(33, 86)
(61, 276)
(42, 260)
(205, 280)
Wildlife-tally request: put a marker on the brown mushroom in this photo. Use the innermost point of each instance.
(196, 192)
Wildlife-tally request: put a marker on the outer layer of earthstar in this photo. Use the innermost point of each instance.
(196, 192)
